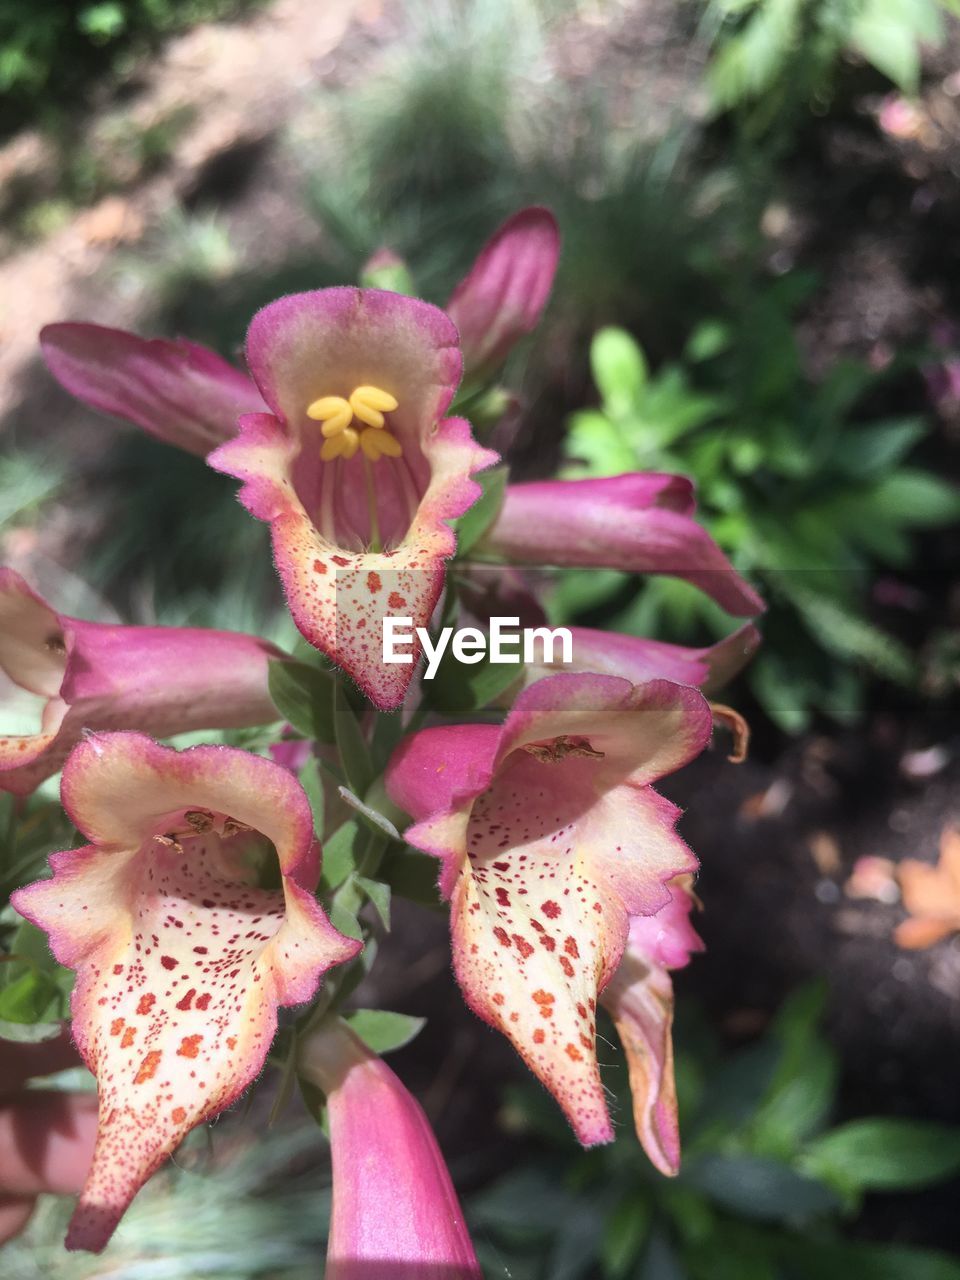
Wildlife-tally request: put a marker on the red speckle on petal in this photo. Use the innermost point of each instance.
(566, 966)
(551, 910)
(523, 946)
(319, 566)
(396, 600)
(146, 1003)
(573, 1053)
(539, 1035)
(116, 1026)
(189, 1047)
(502, 936)
(168, 962)
(148, 1067)
(374, 584)
(187, 1000)
(178, 1115)
(543, 997)
(128, 1037)
(231, 1042)
(571, 948)
(204, 1000)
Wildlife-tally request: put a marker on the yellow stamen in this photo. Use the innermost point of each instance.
(377, 443)
(333, 411)
(371, 403)
(342, 445)
(340, 439)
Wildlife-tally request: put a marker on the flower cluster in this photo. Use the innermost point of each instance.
(192, 913)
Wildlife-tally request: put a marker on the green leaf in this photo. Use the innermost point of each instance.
(340, 853)
(709, 339)
(29, 1032)
(761, 1189)
(461, 688)
(354, 755)
(413, 875)
(377, 821)
(473, 524)
(31, 997)
(312, 782)
(888, 32)
(917, 498)
(868, 451)
(619, 370)
(624, 1235)
(379, 895)
(303, 695)
(884, 1154)
(843, 1260)
(382, 1030)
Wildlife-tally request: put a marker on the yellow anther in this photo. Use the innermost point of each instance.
(376, 443)
(333, 411)
(371, 403)
(343, 445)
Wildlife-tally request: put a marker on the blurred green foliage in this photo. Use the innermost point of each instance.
(799, 491)
(767, 1189)
(50, 50)
(772, 56)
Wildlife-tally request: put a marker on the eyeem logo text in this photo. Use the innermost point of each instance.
(506, 643)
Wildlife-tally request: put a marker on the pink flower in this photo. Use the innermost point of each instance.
(637, 659)
(395, 1211)
(639, 998)
(504, 294)
(179, 392)
(355, 468)
(94, 675)
(551, 840)
(640, 522)
(181, 958)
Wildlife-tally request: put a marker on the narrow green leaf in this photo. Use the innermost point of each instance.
(759, 1188)
(382, 1030)
(341, 852)
(380, 823)
(460, 688)
(379, 895)
(312, 784)
(303, 695)
(413, 875)
(885, 1154)
(354, 755)
(475, 522)
(619, 370)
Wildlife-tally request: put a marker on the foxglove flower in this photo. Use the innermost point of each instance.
(640, 522)
(355, 468)
(504, 294)
(94, 675)
(639, 998)
(177, 391)
(395, 1211)
(182, 958)
(551, 839)
(638, 659)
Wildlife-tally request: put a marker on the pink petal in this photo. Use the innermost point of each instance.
(395, 1211)
(639, 523)
(638, 659)
(182, 393)
(504, 294)
(338, 590)
(548, 850)
(640, 1001)
(164, 680)
(181, 958)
